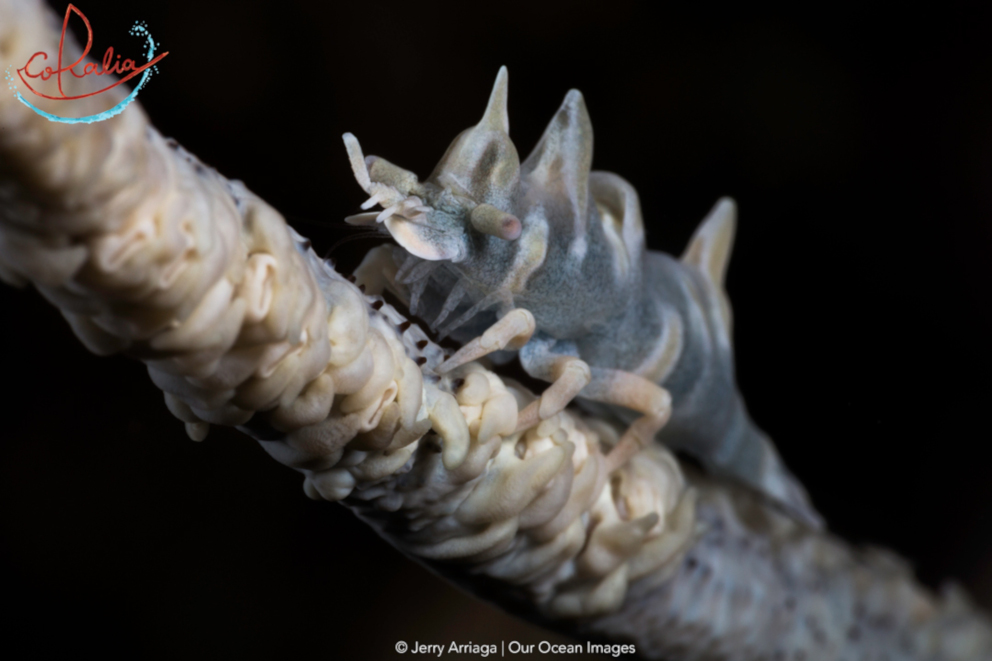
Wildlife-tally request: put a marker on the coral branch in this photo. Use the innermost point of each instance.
(147, 251)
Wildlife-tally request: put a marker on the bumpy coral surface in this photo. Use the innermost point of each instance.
(147, 251)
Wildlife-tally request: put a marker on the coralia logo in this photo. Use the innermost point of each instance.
(126, 68)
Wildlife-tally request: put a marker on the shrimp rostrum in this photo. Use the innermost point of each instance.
(546, 259)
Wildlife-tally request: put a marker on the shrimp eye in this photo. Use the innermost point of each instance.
(489, 220)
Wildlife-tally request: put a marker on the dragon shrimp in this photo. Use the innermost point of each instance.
(546, 258)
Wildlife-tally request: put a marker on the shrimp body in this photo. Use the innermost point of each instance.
(485, 235)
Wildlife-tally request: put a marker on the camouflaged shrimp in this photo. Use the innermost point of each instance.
(547, 258)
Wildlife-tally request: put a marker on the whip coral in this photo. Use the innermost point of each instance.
(148, 252)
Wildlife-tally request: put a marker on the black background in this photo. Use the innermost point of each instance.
(858, 145)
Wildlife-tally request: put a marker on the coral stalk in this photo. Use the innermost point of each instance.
(149, 252)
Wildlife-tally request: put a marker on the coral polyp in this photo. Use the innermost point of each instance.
(577, 519)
